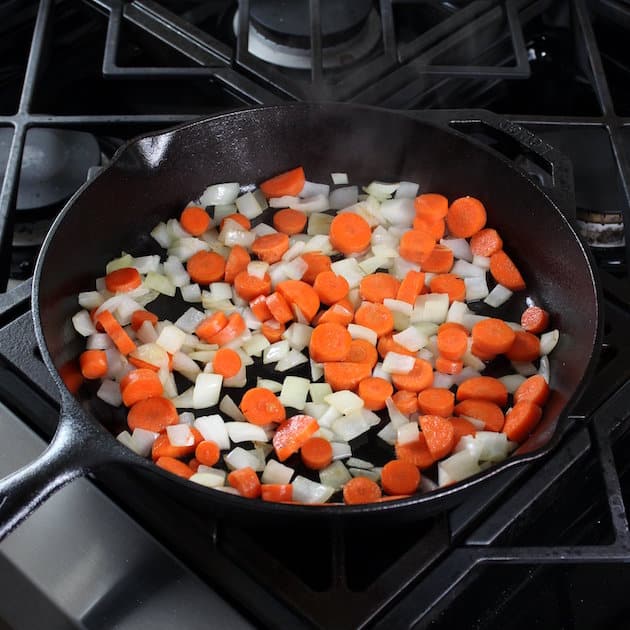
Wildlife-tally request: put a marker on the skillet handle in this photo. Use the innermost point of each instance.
(72, 453)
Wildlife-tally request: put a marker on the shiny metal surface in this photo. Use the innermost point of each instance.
(81, 562)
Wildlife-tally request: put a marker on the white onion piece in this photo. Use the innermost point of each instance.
(402, 267)
(110, 304)
(262, 229)
(296, 268)
(371, 264)
(310, 189)
(185, 399)
(498, 296)
(255, 345)
(442, 380)
(339, 178)
(389, 433)
(512, 382)
(494, 446)
(239, 458)
(124, 437)
(335, 475)
(295, 250)
(257, 268)
(142, 441)
(83, 324)
(548, 341)
(119, 263)
(317, 370)
(544, 369)
(183, 364)
(315, 410)
(374, 474)
(381, 236)
(355, 462)
(464, 269)
(396, 417)
(385, 251)
(514, 325)
(180, 435)
(430, 308)
(187, 417)
(168, 383)
(466, 374)
(344, 401)
(341, 450)
(459, 247)
(407, 190)
(298, 335)
(350, 270)
(407, 433)
(210, 478)
(324, 433)
(191, 293)
(207, 390)
(399, 211)
(248, 205)
(219, 194)
(161, 234)
(245, 432)
(470, 360)
(470, 319)
(318, 243)
(294, 392)
(125, 309)
(398, 306)
(213, 428)
(190, 319)
(221, 211)
(275, 472)
(291, 360)
(362, 332)
(230, 409)
(319, 223)
(411, 339)
(457, 467)
(315, 203)
(319, 391)
(159, 283)
(171, 339)
(471, 445)
(381, 190)
(476, 288)
(238, 380)
(350, 426)
(481, 261)
(175, 272)
(232, 235)
(307, 491)
(185, 248)
(479, 425)
(276, 351)
(396, 363)
(524, 368)
(99, 341)
(379, 372)
(326, 418)
(90, 299)
(345, 197)
(109, 392)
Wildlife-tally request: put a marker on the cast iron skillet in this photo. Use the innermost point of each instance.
(154, 176)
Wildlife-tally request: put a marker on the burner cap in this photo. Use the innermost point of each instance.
(54, 164)
(288, 22)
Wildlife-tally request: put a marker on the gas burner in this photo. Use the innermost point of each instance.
(601, 230)
(279, 32)
(54, 164)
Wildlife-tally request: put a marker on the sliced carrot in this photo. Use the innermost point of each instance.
(362, 351)
(194, 220)
(450, 284)
(462, 427)
(535, 320)
(484, 387)
(465, 217)
(153, 414)
(71, 376)
(162, 446)
(486, 242)
(448, 366)
(241, 219)
(193, 464)
(330, 287)
(211, 326)
(346, 375)
(249, 287)
(410, 287)
(350, 233)
(260, 406)
(440, 260)
(246, 481)
(279, 308)
(316, 453)
(287, 183)
(123, 280)
(376, 317)
(387, 344)
(140, 316)
(329, 342)
(226, 362)
(452, 342)
(235, 327)
(488, 412)
(271, 247)
(482, 354)
(416, 453)
(379, 286)
(431, 206)
(289, 221)
(436, 229)
(292, 434)
(301, 295)
(207, 452)
(436, 401)
(317, 262)
(237, 261)
(526, 347)
(505, 272)
(175, 467)
(273, 330)
(260, 309)
(116, 332)
(420, 377)
(439, 433)
(206, 267)
(93, 364)
(535, 389)
(492, 336)
(452, 325)
(400, 477)
(374, 391)
(361, 490)
(138, 385)
(406, 402)
(521, 420)
(416, 245)
(341, 312)
(278, 492)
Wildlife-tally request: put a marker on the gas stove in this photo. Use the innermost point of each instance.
(545, 545)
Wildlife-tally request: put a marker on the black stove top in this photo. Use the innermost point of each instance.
(546, 545)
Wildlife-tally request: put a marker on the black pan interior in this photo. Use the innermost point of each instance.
(154, 177)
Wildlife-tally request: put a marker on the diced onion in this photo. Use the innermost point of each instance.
(432, 307)
(219, 194)
(407, 433)
(213, 428)
(159, 283)
(345, 401)
(355, 462)
(207, 390)
(276, 351)
(339, 178)
(548, 341)
(315, 410)
(544, 369)
(191, 293)
(317, 370)
(399, 211)
(396, 417)
(512, 382)
(341, 450)
(210, 478)
(396, 363)
(310, 189)
(361, 332)
(248, 205)
(109, 392)
(239, 458)
(190, 319)
(459, 247)
(379, 372)
(381, 190)
(180, 435)
(171, 339)
(83, 324)
(350, 270)
(524, 368)
(326, 418)
(278, 473)
(142, 441)
(464, 269)
(161, 234)
(295, 250)
(442, 380)
(411, 339)
(407, 190)
(319, 391)
(184, 400)
(498, 296)
(319, 223)
(245, 432)
(335, 475)
(292, 359)
(457, 467)
(294, 392)
(389, 433)
(90, 299)
(307, 491)
(175, 272)
(398, 306)
(476, 288)
(296, 268)
(481, 261)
